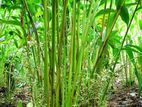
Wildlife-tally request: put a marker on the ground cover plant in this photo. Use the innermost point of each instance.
(70, 53)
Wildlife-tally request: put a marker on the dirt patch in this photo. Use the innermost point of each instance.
(125, 97)
(22, 94)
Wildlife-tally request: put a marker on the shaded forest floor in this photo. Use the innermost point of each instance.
(125, 97)
(121, 97)
(21, 94)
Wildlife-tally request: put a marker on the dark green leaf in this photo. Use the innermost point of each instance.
(124, 14)
(139, 8)
(118, 4)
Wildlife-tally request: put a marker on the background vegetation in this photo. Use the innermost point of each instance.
(69, 52)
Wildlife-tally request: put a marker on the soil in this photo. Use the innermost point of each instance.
(125, 97)
(22, 94)
(121, 97)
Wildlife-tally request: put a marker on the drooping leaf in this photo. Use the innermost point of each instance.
(139, 8)
(124, 14)
(129, 52)
(133, 48)
(119, 3)
(138, 50)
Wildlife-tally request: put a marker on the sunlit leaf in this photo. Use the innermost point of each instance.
(133, 48)
(140, 24)
(129, 52)
(106, 11)
(12, 22)
(16, 43)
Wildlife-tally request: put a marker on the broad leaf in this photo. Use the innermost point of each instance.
(130, 53)
(119, 3)
(124, 14)
(136, 49)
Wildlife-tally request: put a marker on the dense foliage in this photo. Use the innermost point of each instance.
(69, 52)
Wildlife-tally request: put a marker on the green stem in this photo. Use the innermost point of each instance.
(117, 57)
(72, 58)
(101, 50)
(46, 72)
(37, 40)
(60, 45)
(53, 50)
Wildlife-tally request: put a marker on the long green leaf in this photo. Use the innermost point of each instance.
(124, 14)
(11, 22)
(106, 11)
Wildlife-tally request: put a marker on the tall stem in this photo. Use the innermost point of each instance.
(101, 50)
(37, 40)
(117, 57)
(46, 72)
(53, 50)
